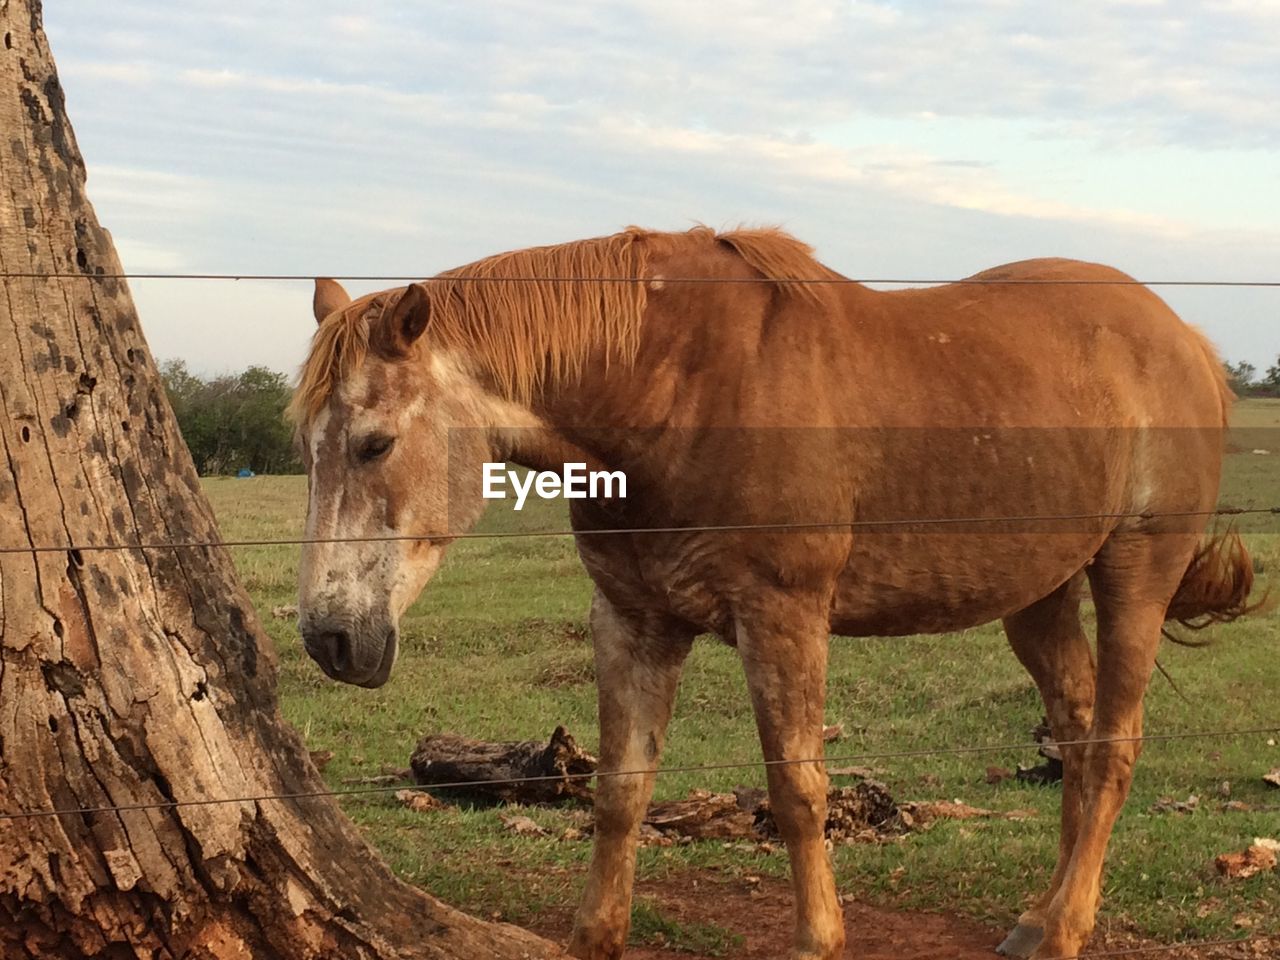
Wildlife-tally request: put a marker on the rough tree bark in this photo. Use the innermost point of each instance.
(143, 676)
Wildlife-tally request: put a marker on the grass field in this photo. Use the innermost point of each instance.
(497, 648)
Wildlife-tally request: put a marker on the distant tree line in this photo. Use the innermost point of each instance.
(233, 421)
(1244, 379)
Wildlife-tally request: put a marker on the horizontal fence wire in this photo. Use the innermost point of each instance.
(853, 524)
(600, 774)
(1193, 945)
(805, 281)
(621, 531)
(848, 524)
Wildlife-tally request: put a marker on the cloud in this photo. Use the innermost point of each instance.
(1169, 72)
(917, 138)
(131, 74)
(158, 193)
(140, 256)
(916, 175)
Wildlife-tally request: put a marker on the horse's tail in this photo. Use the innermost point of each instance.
(1216, 586)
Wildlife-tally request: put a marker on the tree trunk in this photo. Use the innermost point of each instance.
(142, 676)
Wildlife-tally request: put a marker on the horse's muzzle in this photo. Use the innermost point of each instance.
(351, 655)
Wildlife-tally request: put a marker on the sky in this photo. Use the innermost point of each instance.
(923, 140)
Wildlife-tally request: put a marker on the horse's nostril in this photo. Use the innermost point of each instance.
(330, 648)
(337, 645)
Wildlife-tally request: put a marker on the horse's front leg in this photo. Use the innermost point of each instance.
(638, 663)
(784, 653)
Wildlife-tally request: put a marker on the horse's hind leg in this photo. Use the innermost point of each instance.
(784, 654)
(1133, 578)
(1049, 641)
(637, 666)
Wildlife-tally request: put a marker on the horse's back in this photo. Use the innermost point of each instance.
(1034, 396)
(1041, 343)
(1044, 388)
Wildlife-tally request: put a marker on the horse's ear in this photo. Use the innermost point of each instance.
(329, 298)
(406, 319)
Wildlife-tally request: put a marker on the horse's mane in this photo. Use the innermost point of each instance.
(777, 255)
(536, 315)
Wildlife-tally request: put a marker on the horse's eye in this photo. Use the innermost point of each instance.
(374, 448)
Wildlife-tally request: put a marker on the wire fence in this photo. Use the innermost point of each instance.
(1225, 942)
(659, 771)
(853, 524)
(803, 281)
(954, 750)
(892, 523)
(462, 785)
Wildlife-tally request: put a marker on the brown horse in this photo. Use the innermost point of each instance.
(738, 382)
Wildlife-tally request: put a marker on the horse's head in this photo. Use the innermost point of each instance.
(377, 416)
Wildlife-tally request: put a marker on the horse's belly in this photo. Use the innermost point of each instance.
(897, 584)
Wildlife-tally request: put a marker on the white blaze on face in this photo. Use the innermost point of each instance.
(314, 555)
(316, 450)
(343, 575)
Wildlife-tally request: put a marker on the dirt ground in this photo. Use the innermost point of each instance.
(761, 913)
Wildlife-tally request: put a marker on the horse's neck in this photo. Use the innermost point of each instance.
(609, 415)
(684, 376)
(546, 448)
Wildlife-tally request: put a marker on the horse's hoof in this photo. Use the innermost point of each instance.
(1021, 941)
(586, 946)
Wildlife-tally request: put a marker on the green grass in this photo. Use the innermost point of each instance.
(650, 926)
(497, 648)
